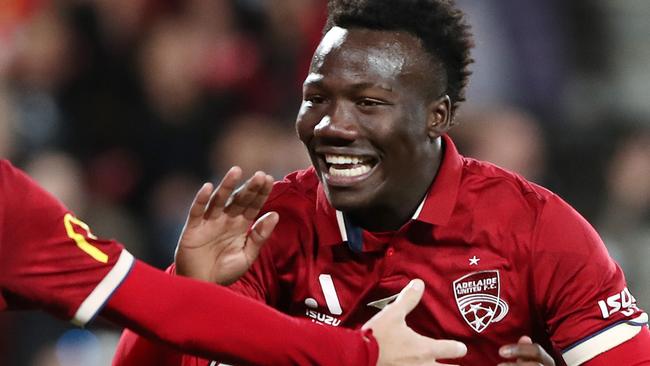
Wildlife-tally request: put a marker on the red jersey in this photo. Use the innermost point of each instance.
(50, 259)
(501, 258)
(49, 256)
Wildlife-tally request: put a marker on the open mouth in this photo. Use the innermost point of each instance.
(348, 166)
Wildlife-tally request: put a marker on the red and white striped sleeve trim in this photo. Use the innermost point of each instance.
(604, 340)
(104, 290)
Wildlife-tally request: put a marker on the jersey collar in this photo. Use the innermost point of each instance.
(438, 205)
(436, 208)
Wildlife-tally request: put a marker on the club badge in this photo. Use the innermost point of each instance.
(477, 297)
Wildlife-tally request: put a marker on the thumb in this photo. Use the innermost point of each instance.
(409, 297)
(525, 340)
(260, 232)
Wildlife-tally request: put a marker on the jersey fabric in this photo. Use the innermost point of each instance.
(212, 321)
(501, 258)
(49, 257)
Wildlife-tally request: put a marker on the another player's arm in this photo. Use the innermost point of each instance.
(277, 339)
(219, 326)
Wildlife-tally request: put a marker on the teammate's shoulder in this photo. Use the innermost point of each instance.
(297, 187)
(9, 175)
(6, 165)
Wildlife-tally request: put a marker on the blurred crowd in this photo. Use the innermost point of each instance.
(122, 108)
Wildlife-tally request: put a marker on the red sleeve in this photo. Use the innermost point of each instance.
(135, 350)
(635, 352)
(50, 258)
(580, 290)
(216, 323)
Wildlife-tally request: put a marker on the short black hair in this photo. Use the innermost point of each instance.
(440, 26)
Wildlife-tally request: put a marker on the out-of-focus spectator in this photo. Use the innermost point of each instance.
(257, 142)
(168, 207)
(521, 54)
(625, 219)
(7, 123)
(44, 50)
(61, 175)
(14, 14)
(42, 60)
(170, 68)
(122, 21)
(506, 136)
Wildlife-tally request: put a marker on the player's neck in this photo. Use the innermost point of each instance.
(391, 214)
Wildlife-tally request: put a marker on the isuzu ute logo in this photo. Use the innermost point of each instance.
(477, 296)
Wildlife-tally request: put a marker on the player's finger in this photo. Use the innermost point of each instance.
(224, 190)
(259, 233)
(256, 205)
(448, 349)
(409, 297)
(242, 198)
(525, 340)
(198, 207)
(526, 352)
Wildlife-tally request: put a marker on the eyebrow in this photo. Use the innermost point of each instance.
(317, 80)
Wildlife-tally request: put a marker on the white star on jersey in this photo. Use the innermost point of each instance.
(474, 261)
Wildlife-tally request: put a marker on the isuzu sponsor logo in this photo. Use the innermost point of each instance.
(331, 300)
(622, 301)
(478, 299)
(321, 318)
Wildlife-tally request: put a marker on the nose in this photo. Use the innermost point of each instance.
(338, 124)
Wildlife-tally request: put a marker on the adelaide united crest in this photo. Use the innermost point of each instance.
(477, 296)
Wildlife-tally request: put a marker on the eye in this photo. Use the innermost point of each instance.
(315, 99)
(370, 102)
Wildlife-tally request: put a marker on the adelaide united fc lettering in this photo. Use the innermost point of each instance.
(478, 299)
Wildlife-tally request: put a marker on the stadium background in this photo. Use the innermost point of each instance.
(122, 108)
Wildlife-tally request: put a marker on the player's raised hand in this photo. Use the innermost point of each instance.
(526, 353)
(399, 344)
(220, 241)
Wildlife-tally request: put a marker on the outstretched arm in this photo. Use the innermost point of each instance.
(213, 322)
(51, 260)
(248, 332)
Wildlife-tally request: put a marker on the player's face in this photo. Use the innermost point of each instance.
(365, 119)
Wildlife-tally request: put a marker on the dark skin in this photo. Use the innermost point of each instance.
(375, 95)
(372, 115)
(365, 97)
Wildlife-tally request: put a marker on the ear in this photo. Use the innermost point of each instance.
(439, 119)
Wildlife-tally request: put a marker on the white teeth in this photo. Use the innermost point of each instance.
(351, 172)
(342, 159)
(354, 165)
